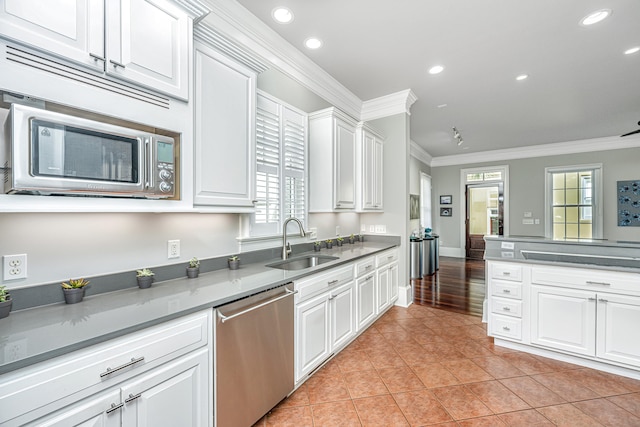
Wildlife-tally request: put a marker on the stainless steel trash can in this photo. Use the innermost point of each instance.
(436, 253)
(428, 262)
(414, 257)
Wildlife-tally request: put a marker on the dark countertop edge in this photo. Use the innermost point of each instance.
(540, 239)
(374, 247)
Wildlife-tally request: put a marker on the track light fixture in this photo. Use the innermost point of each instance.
(457, 136)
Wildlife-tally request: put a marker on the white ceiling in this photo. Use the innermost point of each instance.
(581, 85)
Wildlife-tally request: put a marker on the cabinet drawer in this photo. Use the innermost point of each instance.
(506, 289)
(366, 266)
(51, 383)
(504, 326)
(386, 257)
(583, 278)
(316, 284)
(508, 307)
(506, 271)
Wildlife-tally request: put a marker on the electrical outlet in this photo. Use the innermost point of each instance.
(173, 249)
(337, 230)
(14, 267)
(312, 233)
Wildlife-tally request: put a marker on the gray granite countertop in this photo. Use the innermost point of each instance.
(49, 331)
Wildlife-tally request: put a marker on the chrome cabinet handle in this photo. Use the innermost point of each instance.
(368, 267)
(589, 282)
(132, 397)
(390, 256)
(506, 328)
(603, 300)
(333, 282)
(506, 273)
(114, 407)
(332, 297)
(97, 57)
(506, 309)
(116, 64)
(368, 278)
(506, 291)
(110, 371)
(591, 299)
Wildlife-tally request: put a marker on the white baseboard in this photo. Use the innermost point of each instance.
(405, 296)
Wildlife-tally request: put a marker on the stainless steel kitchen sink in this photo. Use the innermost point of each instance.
(302, 262)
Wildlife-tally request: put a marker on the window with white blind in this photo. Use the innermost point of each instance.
(281, 164)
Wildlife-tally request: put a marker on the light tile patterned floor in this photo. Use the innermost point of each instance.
(423, 366)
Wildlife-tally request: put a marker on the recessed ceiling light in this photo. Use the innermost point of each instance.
(313, 43)
(522, 77)
(282, 15)
(632, 50)
(595, 17)
(437, 69)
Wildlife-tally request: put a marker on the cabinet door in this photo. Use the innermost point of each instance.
(377, 174)
(618, 318)
(313, 343)
(148, 43)
(91, 412)
(393, 282)
(383, 289)
(224, 131)
(345, 156)
(368, 171)
(174, 394)
(564, 319)
(343, 315)
(72, 29)
(366, 297)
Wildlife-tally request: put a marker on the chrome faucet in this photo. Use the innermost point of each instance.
(286, 247)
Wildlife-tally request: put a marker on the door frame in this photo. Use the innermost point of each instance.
(486, 184)
(463, 199)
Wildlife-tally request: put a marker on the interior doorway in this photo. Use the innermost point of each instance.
(484, 216)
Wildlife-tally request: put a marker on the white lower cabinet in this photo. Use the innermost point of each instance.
(158, 376)
(384, 283)
(324, 323)
(366, 296)
(618, 320)
(174, 394)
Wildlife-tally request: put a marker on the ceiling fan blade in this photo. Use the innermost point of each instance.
(631, 133)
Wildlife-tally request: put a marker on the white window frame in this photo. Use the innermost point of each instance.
(596, 196)
(257, 231)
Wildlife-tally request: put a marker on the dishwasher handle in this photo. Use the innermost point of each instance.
(224, 318)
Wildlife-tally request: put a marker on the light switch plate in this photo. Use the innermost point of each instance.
(527, 221)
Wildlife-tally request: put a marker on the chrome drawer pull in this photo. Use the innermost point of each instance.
(506, 291)
(116, 64)
(506, 308)
(603, 300)
(114, 407)
(592, 299)
(333, 282)
(589, 282)
(132, 397)
(506, 273)
(390, 257)
(506, 328)
(110, 371)
(368, 267)
(97, 57)
(332, 297)
(368, 278)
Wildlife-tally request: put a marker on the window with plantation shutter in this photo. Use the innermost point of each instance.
(281, 150)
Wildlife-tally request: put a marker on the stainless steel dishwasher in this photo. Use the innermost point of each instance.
(254, 356)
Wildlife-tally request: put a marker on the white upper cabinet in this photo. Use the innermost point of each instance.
(369, 160)
(145, 42)
(332, 156)
(148, 43)
(225, 104)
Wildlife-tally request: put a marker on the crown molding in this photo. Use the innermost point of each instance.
(236, 23)
(420, 153)
(209, 36)
(388, 105)
(571, 147)
(197, 9)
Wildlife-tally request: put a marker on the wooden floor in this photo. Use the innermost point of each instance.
(458, 285)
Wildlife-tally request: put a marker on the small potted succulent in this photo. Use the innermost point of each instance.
(317, 246)
(352, 239)
(234, 262)
(5, 302)
(194, 268)
(144, 277)
(73, 290)
(339, 241)
(329, 243)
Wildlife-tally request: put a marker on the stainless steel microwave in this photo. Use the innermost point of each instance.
(53, 153)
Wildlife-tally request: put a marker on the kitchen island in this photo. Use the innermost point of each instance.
(572, 300)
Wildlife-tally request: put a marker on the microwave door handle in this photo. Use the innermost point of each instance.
(148, 163)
